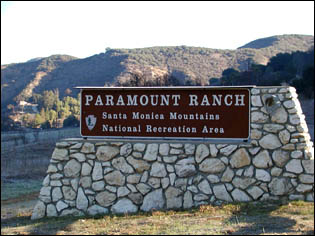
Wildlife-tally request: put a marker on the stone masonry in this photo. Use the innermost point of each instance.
(89, 177)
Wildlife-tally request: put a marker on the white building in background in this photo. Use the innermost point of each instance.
(27, 107)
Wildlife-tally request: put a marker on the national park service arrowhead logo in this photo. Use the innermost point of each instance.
(90, 121)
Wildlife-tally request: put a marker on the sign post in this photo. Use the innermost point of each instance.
(214, 114)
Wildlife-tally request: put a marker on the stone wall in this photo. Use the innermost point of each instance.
(88, 177)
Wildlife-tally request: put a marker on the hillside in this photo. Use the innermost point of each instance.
(188, 65)
(282, 42)
(18, 81)
(271, 46)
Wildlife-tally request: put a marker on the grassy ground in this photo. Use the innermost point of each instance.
(16, 188)
(296, 217)
(26, 162)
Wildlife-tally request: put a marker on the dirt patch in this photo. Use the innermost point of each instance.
(19, 196)
(20, 206)
(29, 197)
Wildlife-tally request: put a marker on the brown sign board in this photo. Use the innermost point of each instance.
(166, 113)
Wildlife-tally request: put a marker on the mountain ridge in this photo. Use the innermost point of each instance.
(189, 65)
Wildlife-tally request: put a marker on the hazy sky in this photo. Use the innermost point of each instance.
(82, 29)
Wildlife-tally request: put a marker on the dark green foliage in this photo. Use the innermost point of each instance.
(37, 99)
(45, 125)
(71, 121)
(306, 84)
(7, 124)
(214, 82)
(281, 62)
(296, 69)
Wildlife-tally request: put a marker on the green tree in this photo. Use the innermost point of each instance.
(52, 117)
(37, 99)
(48, 99)
(38, 120)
